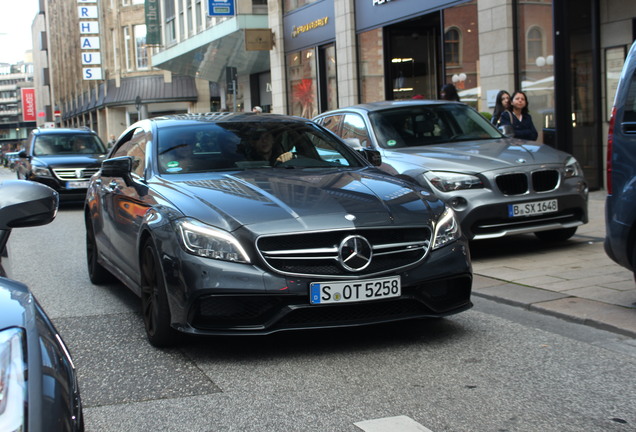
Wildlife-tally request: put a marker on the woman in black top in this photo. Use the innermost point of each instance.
(502, 103)
(519, 117)
(449, 92)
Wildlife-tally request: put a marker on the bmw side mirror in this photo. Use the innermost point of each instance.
(353, 143)
(507, 130)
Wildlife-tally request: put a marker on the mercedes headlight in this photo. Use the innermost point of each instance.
(447, 229)
(12, 380)
(450, 181)
(205, 241)
(573, 168)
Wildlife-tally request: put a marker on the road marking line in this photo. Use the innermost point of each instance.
(391, 424)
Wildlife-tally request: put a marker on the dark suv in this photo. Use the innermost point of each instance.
(64, 159)
(620, 206)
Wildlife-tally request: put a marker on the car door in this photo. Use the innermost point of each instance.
(125, 202)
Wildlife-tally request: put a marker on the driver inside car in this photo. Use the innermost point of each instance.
(263, 149)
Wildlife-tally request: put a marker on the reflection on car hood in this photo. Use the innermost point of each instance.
(16, 304)
(280, 200)
(477, 156)
(84, 160)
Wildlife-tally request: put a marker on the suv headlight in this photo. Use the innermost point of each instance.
(205, 241)
(447, 229)
(449, 181)
(41, 171)
(12, 380)
(573, 168)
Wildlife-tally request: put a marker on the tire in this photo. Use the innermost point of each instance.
(96, 272)
(557, 235)
(154, 300)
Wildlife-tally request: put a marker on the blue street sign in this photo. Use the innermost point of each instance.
(220, 7)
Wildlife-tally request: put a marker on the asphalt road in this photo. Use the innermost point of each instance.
(493, 368)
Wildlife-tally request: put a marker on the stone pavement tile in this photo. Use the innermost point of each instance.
(606, 295)
(571, 284)
(539, 281)
(589, 312)
(517, 295)
(625, 285)
(482, 282)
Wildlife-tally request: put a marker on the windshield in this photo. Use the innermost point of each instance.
(249, 145)
(427, 125)
(67, 144)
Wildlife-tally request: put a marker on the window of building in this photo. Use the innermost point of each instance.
(199, 16)
(451, 47)
(290, 5)
(302, 84)
(534, 43)
(141, 51)
(371, 65)
(191, 30)
(127, 56)
(170, 27)
(131, 2)
(182, 30)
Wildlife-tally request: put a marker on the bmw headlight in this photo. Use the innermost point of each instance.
(12, 380)
(205, 241)
(41, 171)
(573, 168)
(450, 181)
(446, 230)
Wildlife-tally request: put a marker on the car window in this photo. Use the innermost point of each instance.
(136, 149)
(428, 125)
(67, 144)
(238, 145)
(331, 122)
(354, 127)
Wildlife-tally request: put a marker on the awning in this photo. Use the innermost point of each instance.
(151, 89)
(207, 54)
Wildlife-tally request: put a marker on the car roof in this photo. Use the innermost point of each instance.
(223, 117)
(53, 131)
(383, 105)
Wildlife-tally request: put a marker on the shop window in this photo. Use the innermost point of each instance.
(451, 47)
(302, 88)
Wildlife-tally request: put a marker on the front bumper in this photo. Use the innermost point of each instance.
(215, 298)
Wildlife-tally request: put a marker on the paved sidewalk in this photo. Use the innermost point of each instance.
(574, 280)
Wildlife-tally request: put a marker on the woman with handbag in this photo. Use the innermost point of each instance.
(519, 117)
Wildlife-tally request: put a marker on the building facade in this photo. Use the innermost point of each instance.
(17, 109)
(303, 57)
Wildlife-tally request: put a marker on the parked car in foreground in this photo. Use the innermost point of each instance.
(63, 159)
(496, 185)
(38, 383)
(256, 223)
(620, 205)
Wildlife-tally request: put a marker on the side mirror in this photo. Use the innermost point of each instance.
(354, 143)
(24, 203)
(23, 154)
(507, 130)
(373, 156)
(118, 167)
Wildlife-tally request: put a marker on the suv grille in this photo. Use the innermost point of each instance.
(66, 174)
(316, 254)
(518, 183)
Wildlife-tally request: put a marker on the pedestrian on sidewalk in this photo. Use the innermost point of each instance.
(519, 117)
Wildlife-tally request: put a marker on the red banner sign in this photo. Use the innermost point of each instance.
(28, 104)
